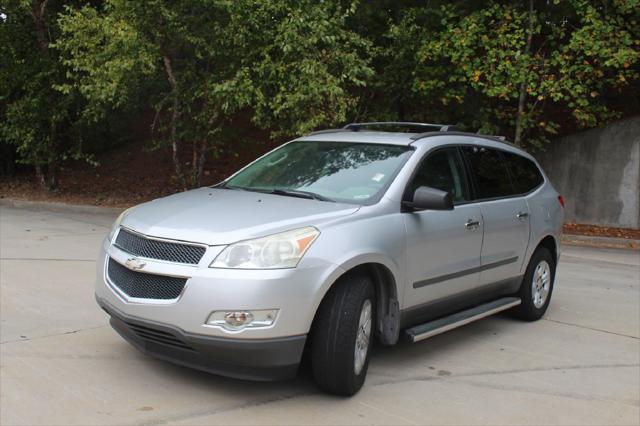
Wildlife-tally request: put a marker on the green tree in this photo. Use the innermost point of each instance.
(300, 62)
(37, 121)
(529, 70)
(522, 68)
(289, 64)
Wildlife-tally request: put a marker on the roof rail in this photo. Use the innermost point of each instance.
(319, 132)
(355, 127)
(358, 126)
(501, 139)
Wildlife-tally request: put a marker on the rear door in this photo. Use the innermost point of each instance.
(505, 215)
(443, 247)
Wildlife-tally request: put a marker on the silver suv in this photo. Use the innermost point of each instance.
(330, 242)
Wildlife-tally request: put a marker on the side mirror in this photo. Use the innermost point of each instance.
(427, 198)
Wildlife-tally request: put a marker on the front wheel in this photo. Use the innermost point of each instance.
(537, 286)
(342, 336)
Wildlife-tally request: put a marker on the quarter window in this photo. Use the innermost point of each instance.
(490, 171)
(524, 173)
(442, 170)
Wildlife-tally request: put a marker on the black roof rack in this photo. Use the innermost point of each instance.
(358, 126)
(319, 132)
(502, 138)
(437, 129)
(355, 127)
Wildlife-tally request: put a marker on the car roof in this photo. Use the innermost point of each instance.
(427, 139)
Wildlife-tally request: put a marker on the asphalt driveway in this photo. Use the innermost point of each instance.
(62, 364)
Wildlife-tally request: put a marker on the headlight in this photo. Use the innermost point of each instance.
(116, 224)
(283, 250)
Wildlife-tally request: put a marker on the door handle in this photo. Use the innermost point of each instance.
(472, 224)
(522, 215)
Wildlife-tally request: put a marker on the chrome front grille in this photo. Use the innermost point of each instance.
(141, 285)
(139, 245)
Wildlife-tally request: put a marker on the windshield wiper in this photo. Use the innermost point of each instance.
(281, 191)
(299, 194)
(243, 188)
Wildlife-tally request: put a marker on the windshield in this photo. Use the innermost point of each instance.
(335, 171)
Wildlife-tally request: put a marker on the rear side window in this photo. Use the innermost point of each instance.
(490, 171)
(524, 173)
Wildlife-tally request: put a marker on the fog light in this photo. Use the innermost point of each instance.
(238, 320)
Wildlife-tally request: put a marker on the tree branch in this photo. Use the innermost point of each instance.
(523, 85)
(39, 8)
(175, 114)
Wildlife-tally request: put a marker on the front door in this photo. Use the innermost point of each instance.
(443, 247)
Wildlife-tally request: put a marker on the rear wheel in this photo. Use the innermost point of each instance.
(537, 286)
(342, 336)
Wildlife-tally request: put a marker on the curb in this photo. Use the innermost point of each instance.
(600, 242)
(59, 207)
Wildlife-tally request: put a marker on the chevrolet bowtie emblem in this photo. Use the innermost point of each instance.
(134, 263)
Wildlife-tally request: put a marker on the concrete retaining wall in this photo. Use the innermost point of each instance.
(598, 172)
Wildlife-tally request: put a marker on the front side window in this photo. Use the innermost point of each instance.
(524, 173)
(490, 171)
(337, 171)
(442, 170)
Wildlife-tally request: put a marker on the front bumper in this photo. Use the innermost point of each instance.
(255, 359)
(296, 293)
(176, 330)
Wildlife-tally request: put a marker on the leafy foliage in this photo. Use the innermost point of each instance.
(530, 70)
(503, 67)
(42, 124)
(299, 62)
(34, 116)
(290, 62)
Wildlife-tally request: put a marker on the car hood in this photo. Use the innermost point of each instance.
(223, 216)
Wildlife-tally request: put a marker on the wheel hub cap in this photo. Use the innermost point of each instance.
(363, 337)
(541, 284)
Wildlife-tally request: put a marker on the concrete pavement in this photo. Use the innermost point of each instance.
(60, 363)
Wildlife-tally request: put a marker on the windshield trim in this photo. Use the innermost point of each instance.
(371, 201)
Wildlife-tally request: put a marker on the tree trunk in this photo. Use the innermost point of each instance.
(175, 114)
(52, 177)
(53, 162)
(523, 85)
(49, 181)
(8, 162)
(40, 176)
(201, 160)
(39, 7)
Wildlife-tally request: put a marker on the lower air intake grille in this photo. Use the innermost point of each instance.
(144, 286)
(158, 336)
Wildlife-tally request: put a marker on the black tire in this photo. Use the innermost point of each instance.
(528, 310)
(334, 336)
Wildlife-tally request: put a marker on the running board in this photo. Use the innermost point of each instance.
(432, 328)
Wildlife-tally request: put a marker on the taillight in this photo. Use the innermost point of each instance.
(561, 200)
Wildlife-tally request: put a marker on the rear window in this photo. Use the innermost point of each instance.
(490, 171)
(524, 173)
